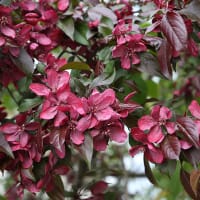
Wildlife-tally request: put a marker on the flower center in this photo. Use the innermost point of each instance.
(3, 20)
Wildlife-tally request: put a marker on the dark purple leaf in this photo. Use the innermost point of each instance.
(192, 155)
(171, 147)
(149, 64)
(86, 150)
(185, 180)
(4, 146)
(58, 191)
(174, 29)
(95, 13)
(192, 10)
(149, 172)
(164, 57)
(187, 126)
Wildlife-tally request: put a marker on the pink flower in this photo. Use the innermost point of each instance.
(120, 31)
(97, 108)
(105, 131)
(151, 153)
(58, 97)
(127, 52)
(156, 122)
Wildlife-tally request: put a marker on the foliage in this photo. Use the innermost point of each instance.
(77, 75)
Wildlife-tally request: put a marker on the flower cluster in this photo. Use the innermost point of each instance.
(158, 135)
(128, 45)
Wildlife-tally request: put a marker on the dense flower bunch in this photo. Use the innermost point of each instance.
(112, 52)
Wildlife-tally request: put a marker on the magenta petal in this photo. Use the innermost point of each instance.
(171, 127)
(185, 144)
(84, 123)
(59, 119)
(136, 149)
(94, 132)
(99, 188)
(7, 31)
(63, 5)
(155, 135)
(24, 137)
(77, 137)
(154, 155)
(49, 113)
(146, 122)
(104, 114)
(43, 39)
(2, 41)
(195, 109)
(9, 128)
(135, 59)
(118, 51)
(39, 89)
(118, 134)
(155, 113)
(100, 143)
(139, 135)
(125, 62)
(165, 113)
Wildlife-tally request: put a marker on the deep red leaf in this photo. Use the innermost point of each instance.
(185, 180)
(174, 29)
(164, 57)
(188, 127)
(171, 147)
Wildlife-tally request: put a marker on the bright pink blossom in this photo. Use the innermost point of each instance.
(127, 52)
(151, 153)
(156, 122)
(97, 108)
(105, 131)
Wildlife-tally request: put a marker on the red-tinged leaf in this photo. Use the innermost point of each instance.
(75, 65)
(58, 190)
(171, 147)
(99, 187)
(191, 10)
(192, 155)
(185, 180)
(149, 172)
(39, 89)
(174, 29)
(57, 139)
(86, 150)
(95, 13)
(195, 180)
(164, 57)
(188, 127)
(4, 146)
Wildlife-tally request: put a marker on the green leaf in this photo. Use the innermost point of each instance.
(104, 54)
(24, 62)
(5, 2)
(28, 104)
(103, 79)
(81, 33)
(75, 65)
(67, 26)
(4, 146)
